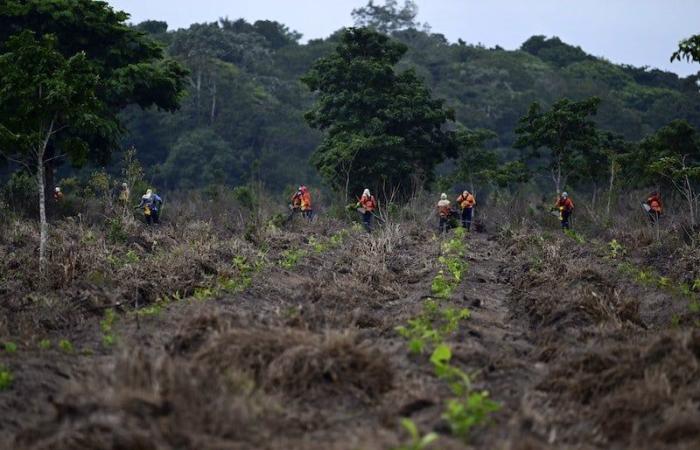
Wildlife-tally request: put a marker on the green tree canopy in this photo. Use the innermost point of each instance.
(387, 18)
(566, 132)
(381, 126)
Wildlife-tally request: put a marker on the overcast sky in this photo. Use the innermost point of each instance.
(637, 32)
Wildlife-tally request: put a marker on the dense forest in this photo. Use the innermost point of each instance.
(243, 115)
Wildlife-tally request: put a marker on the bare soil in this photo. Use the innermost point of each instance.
(577, 354)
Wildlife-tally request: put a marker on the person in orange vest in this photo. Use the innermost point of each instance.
(654, 207)
(57, 194)
(443, 211)
(305, 205)
(466, 201)
(366, 207)
(565, 206)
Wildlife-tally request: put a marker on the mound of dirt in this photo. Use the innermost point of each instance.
(638, 394)
(298, 363)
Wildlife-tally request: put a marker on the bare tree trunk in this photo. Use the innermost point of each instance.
(213, 103)
(691, 200)
(41, 184)
(44, 227)
(610, 187)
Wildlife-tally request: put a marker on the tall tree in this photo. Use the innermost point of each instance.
(387, 18)
(131, 66)
(77, 64)
(673, 153)
(566, 132)
(45, 96)
(381, 126)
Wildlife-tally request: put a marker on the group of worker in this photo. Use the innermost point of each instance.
(151, 203)
(301, 203)
(565, 205)
(466, 202)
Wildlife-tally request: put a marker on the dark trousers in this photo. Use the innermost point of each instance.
(153, 217)
(367, 221)
(443, 224)
(565, 216)
(307, 214)
(467, 218)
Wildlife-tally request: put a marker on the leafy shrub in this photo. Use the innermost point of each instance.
(107, 327)
(291, 257)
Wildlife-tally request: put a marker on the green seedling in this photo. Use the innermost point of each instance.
(10, 347)
(615, 250)
(66, 346)
(417, 442)
(6, 378)
(291, 257)
(107, 327)
(44, 344)
(441, 287)
(203, 293)
(575, 236)
(463, 414)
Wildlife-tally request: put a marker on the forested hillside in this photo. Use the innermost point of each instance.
(243, 115)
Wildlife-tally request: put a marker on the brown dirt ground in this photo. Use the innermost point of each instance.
(307, 358)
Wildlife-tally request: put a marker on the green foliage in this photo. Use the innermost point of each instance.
(44, 344)
(566, 131)
(463, 414)
(432, 327)
(616, 250)
(66, 346)
(554, 51)
(6, 378)
(116, 233)
(10, 347)
(417, 442)
(379, 124)
(575, 236)
(441, 287)
(109, 337)
(688, 49)
(387, 18)
(291, 258)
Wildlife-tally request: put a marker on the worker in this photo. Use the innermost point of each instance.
(305, 205)
(443, 211)
(150, 203)
(565, 206)
(296, 200)
(466, 202)
(366, 207)
(124, 194)
(654, 207)
(57, 194)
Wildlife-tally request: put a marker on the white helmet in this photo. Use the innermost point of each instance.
(366, 193)
(564, 194)
(443, 196)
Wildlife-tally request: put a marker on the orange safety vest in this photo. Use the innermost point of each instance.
(443, 209)
(654, 203)
(565, 204)
(368, 203)
(305, 201)
(466, 202)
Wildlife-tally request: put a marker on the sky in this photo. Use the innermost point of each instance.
(636, 32)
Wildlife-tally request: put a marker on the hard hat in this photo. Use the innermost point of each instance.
(465, 192)
(443, 196)
(123, 184)
(57, 189)
(149, 192)
(366, 193)
(564, 194)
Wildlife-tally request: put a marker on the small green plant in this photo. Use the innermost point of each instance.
(417, 442)
(456, 266)
(107, 327)
(203, 293)
(6, 378)
(10, 347)
(317, 245)
(66, 346)
(131, 257)
(615, 250)
(575, 236)
(44, 344)
(291, 257)
(441, 287)
(463, 414)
